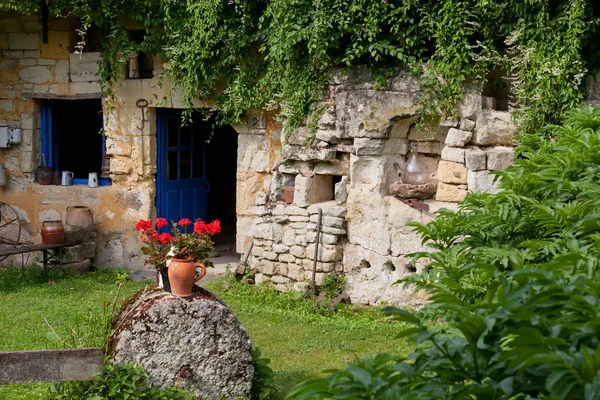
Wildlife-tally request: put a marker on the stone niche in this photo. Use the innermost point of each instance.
(347, 170)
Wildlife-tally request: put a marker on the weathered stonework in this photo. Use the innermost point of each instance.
(346, 171)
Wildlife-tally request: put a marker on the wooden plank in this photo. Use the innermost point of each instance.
(50, 365)
(85, 96)
(25, 248)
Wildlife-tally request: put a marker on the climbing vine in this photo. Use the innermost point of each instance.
(277, 54)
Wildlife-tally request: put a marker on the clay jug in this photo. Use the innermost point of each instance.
(183, 275)
(53, 232)
(79, 220)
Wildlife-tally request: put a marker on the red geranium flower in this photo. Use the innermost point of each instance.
(165, 238)
(143, 224)
(200, 227)
(184, 222)
(160, 222)
(214, 227)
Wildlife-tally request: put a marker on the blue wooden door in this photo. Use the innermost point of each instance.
(181, 175)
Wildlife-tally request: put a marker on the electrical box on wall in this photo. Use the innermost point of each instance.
(4, 137)
(9, 136)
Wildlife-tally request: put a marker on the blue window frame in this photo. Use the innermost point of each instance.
(60, 122)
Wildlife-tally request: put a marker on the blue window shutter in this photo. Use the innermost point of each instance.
(46, 133)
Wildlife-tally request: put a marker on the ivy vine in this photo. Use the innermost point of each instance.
(277, 53)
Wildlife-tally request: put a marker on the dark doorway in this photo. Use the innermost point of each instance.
(222, 168)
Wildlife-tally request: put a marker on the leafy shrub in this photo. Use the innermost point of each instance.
(263, 384)
(516, 277)
(117, 382)
(546, 217)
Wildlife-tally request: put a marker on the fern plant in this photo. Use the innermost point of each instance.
(515, 276)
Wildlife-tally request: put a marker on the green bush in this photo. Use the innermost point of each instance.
(515, 275)
(117, 382)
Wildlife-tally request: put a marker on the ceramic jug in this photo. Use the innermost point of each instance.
(66, 178)
(93, 180)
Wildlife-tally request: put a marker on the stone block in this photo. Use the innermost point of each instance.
(325, 252)
(61, 71)
(280, 279)
(320, 267)
(78, 267)
(248, 184)
(288, 236)
(31, 54)
(7, 105)
(326, 238)
(452, 172)
(26, 62)
(458, 138)
(428, 147)
(466, 124)
(454, 154)
(372, 113)
(300, 240)
(471, 105)
(253, 153)
(35, 74)
(451, 193)
(296, 272)
(72, 254)
(261, 198)
(328, 135)
(298, 251)
(368, 174)
(493, 127)
(340, 192)
(482, 181)
(23, 41)
(499, 157)
(303, 153)
(85, 88)
(84, 67)
(270, 255)
(280, 248)
(312, 190)
(475, 159)
(267, 267)
(329, 208)
(334, 222)
(287, 258)
(332, 168)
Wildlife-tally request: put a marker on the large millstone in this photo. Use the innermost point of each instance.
(195, 343)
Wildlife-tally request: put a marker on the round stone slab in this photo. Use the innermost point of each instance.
(195, 343)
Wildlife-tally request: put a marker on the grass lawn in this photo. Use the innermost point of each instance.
(287, 330)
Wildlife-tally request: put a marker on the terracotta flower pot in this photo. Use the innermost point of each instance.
(183, 275)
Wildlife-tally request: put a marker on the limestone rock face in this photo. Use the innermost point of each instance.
(195, 343)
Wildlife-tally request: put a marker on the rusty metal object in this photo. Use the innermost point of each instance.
(312, 288)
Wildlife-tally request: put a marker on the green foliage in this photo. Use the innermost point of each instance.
(333, 285)
(263, 384)
(515, 275)
(117, 382)
(277, 54)
(547, 217)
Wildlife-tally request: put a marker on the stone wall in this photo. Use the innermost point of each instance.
(346, 171)
(31, 71)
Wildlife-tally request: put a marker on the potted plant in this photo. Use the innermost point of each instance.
(183, 251)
